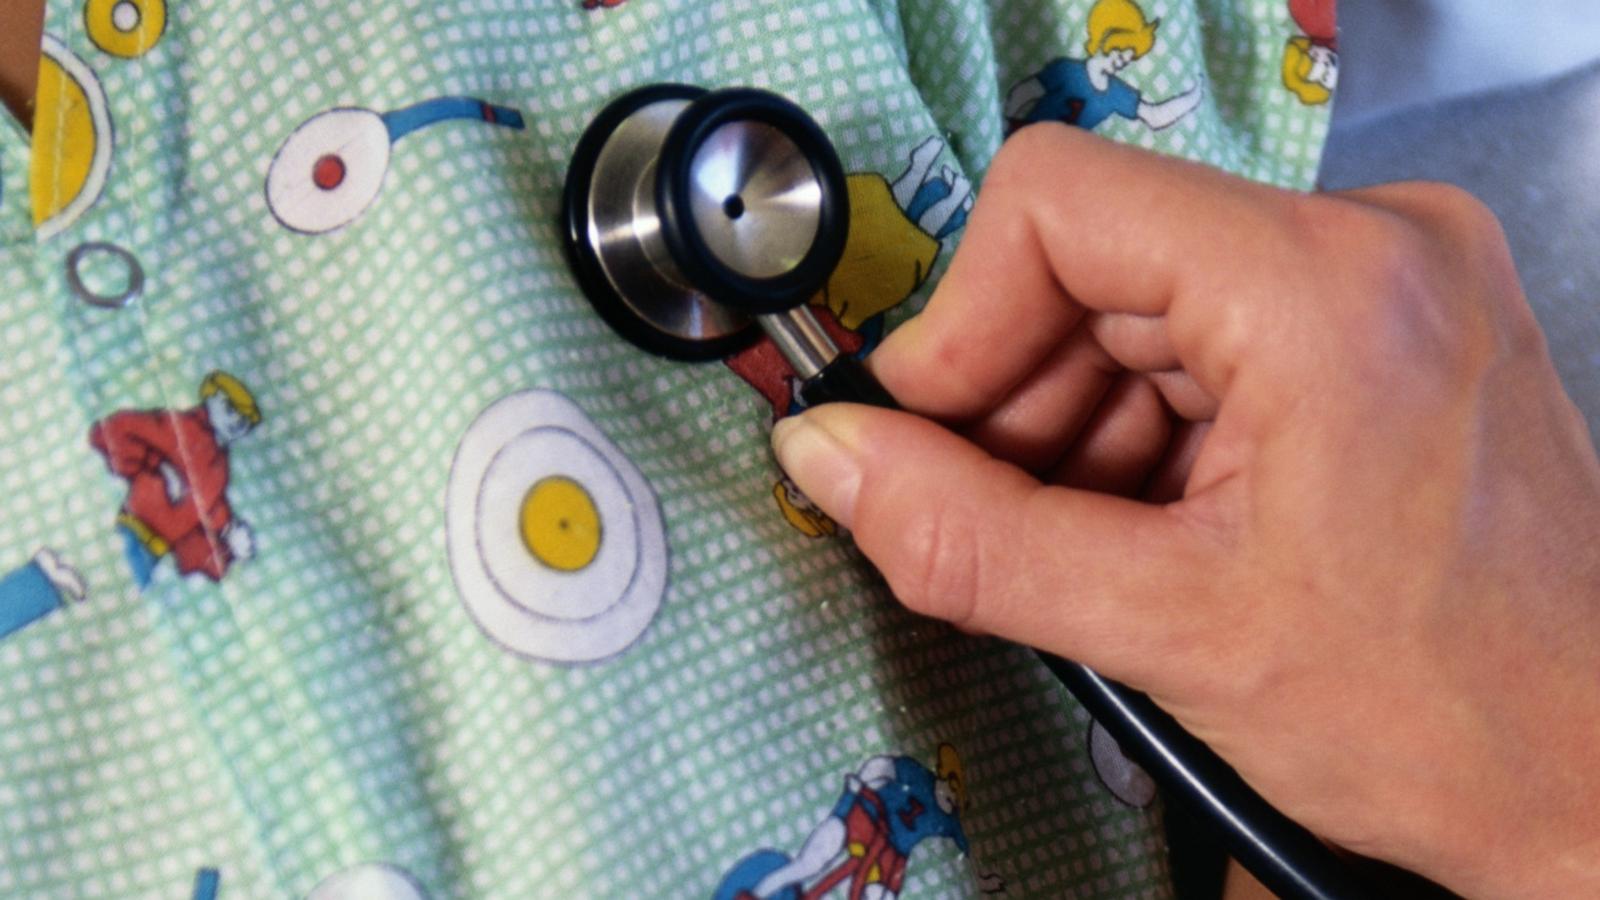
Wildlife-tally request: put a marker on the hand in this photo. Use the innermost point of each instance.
(173, 481)
(1298, 466)
(240, 539)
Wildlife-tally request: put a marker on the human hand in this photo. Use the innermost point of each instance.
(1298, 466)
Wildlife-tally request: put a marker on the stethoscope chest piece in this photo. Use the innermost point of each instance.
(689, 213)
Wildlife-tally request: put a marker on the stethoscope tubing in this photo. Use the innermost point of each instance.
(1286, 858)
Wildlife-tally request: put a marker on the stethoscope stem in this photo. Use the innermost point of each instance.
(801, 339)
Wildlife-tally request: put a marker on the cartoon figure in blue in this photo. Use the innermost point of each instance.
(206, 882)
(36, 590)
(1086, 92)
(889, 806)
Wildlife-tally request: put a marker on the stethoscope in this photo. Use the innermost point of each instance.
(697, 220)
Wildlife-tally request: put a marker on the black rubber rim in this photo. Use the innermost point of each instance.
(585, 264)
(755, 296)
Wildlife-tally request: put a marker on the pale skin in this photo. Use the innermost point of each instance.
(1297, 465)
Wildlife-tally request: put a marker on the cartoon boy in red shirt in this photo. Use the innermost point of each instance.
(176, 465)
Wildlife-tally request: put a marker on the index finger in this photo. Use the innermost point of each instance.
(1068, 222)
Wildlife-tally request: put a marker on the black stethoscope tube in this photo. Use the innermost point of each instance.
(1286, 858)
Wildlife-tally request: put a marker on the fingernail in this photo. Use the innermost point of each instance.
(823, 465)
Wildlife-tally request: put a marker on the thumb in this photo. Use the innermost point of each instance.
(971, 539)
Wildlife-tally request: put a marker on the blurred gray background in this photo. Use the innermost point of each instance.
(1503, 99)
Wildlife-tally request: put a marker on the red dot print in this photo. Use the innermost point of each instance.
(328, 172)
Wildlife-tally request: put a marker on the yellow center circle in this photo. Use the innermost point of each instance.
(125, 28)
(560, 525)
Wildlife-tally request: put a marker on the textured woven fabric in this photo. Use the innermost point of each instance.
(306, 651)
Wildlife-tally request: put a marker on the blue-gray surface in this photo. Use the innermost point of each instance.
(1532, 153)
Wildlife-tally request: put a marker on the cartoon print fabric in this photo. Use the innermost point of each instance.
(35, 590)
(332, 166)
(176, 466)
(1087, 91)
(555, 539)
(73, 148)
(888, 806)
(347, 549)
(1311, 60)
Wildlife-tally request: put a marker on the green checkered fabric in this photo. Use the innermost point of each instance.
(331, 702)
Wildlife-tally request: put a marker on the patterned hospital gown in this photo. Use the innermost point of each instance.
(511, 608)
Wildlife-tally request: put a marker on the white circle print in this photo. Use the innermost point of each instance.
(583, 607)
(528, 460)
(329, 170)
(368, 881)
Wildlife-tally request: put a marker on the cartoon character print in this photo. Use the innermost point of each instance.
(72, 140)
(332, 166)
(125, 28)
(896, 230)
(206, 883)
(73, 137)
(176, 466)
(1311, 59)
(889, 806)
(40, 587)
(1086, 92)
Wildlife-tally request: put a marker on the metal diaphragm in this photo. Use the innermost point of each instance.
(689, 211)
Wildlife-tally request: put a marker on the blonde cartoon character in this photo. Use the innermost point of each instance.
(1311, 60)
(1086, 92)
(176, 466)
(895, 235)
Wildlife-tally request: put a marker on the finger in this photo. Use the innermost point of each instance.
(1067, 222)
(1183, 396)
(1033, 426)
(967, 538)
(1166, 484)
(1122, 443)
(1139, 343)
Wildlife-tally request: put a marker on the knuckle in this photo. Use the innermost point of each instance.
(1013, 174)
(1495, 319)
(944, 554)
(1401, 305)
(938, 573)
(1031, 145)
(1458, 212)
